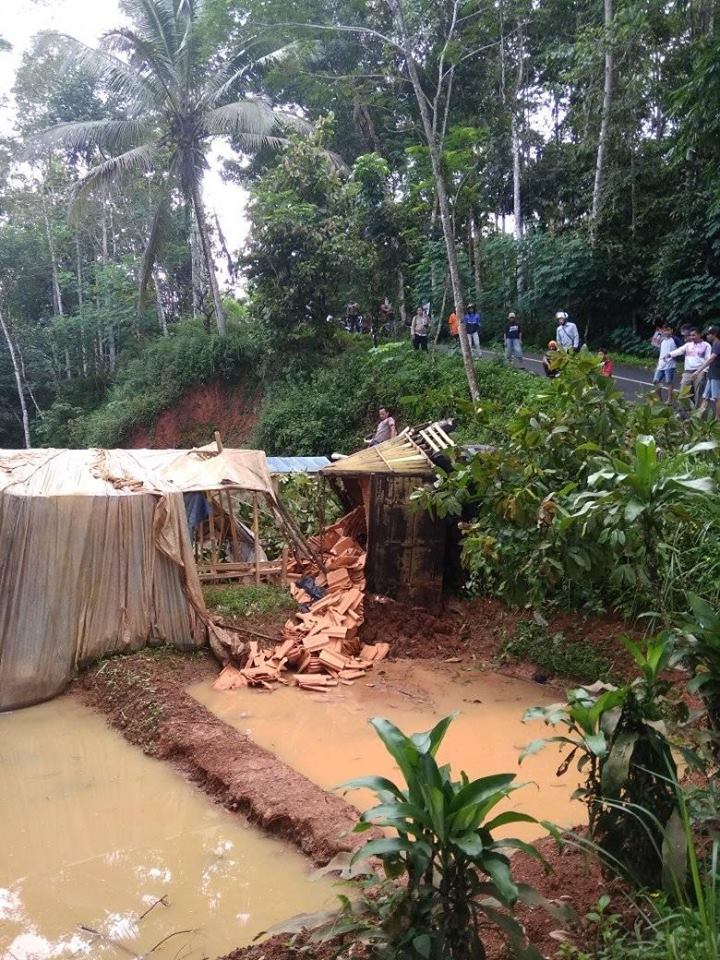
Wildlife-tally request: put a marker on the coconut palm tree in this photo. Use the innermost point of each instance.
(179, 96)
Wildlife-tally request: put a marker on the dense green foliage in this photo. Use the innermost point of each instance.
(588, 500)
(333, 407)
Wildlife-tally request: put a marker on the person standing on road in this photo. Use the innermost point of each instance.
(419, 329)
(513, 339)
(385, 429)
(567, 335)
(472, 321)
(607, 367)
(695, 351)
(711, 394)
(665, 370)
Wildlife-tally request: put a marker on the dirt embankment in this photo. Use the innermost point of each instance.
(478, 630)
(233, 409)
(143, 695)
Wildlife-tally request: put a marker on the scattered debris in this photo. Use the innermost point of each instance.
(320, 644)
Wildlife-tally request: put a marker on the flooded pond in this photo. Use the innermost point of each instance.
(93, 833)
(327, 736)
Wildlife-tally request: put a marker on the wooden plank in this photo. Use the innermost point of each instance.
(233, 527)
(256, 535)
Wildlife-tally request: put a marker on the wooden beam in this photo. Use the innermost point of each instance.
(256, 535)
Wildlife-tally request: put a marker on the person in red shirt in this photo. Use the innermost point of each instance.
(606, 364)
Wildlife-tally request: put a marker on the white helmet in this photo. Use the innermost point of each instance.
(561, 315)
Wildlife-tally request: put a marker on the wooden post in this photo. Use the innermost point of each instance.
(213, 539)
(233, 527)
(256, 535)
(283, 566)
(218, 441)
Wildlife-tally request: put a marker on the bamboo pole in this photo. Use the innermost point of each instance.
(233, 526)
(283, 566)
(213, 539)
(256, 535)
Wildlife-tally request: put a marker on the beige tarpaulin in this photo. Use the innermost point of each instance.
(95, 556)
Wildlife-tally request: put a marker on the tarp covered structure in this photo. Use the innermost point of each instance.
(95, 556)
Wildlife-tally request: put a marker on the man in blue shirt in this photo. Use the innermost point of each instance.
(472, 325)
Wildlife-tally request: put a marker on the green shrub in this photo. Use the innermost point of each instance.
(556, 654)
(332, 407)
(617, 738)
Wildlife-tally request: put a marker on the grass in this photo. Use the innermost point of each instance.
(249, 601)
(556, 654)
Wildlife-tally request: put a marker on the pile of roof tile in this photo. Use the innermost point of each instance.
(321, 644)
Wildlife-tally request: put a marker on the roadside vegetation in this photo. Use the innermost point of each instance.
(588, 501)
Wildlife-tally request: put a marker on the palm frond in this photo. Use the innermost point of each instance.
(254, 117)
(240, 66)
(156, 20)
(138, 160)
(111, 135)
(120, 79)
(160, 68)
(294, 123)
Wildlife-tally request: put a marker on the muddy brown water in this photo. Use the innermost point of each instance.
(328, 738)
(92, 833)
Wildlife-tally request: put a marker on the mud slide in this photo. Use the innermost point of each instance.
(143, 696)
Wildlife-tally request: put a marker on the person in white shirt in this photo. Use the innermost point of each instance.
(695, 350)
(567, 335)
(665, 370)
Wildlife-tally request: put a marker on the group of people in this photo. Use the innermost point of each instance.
(701, 366)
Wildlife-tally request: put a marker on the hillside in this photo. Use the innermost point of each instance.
(311, 398)
(231, 408)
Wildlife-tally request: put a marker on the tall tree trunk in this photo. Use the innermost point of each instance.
(224, 248)
(79, 282)
(55, 280)
(162, 319)
(402, 313)
(517, 199)
(474, 230)
(604, 123)
(207, 255)
(111, 351)
(26, 382)
(18, 382)
(441, 192)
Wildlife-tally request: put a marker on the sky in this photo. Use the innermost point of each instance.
(88, 20)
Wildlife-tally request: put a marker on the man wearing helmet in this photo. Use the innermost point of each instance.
(567, 335)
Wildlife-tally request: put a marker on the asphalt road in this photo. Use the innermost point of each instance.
(634, 382)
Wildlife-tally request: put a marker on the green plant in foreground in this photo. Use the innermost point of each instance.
(453, 872)
(686, 927)
(618, 740)
(701, 628)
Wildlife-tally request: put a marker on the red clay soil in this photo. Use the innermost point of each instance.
(233, 409)
(573, 879)
(143, 696)
(479, 628)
